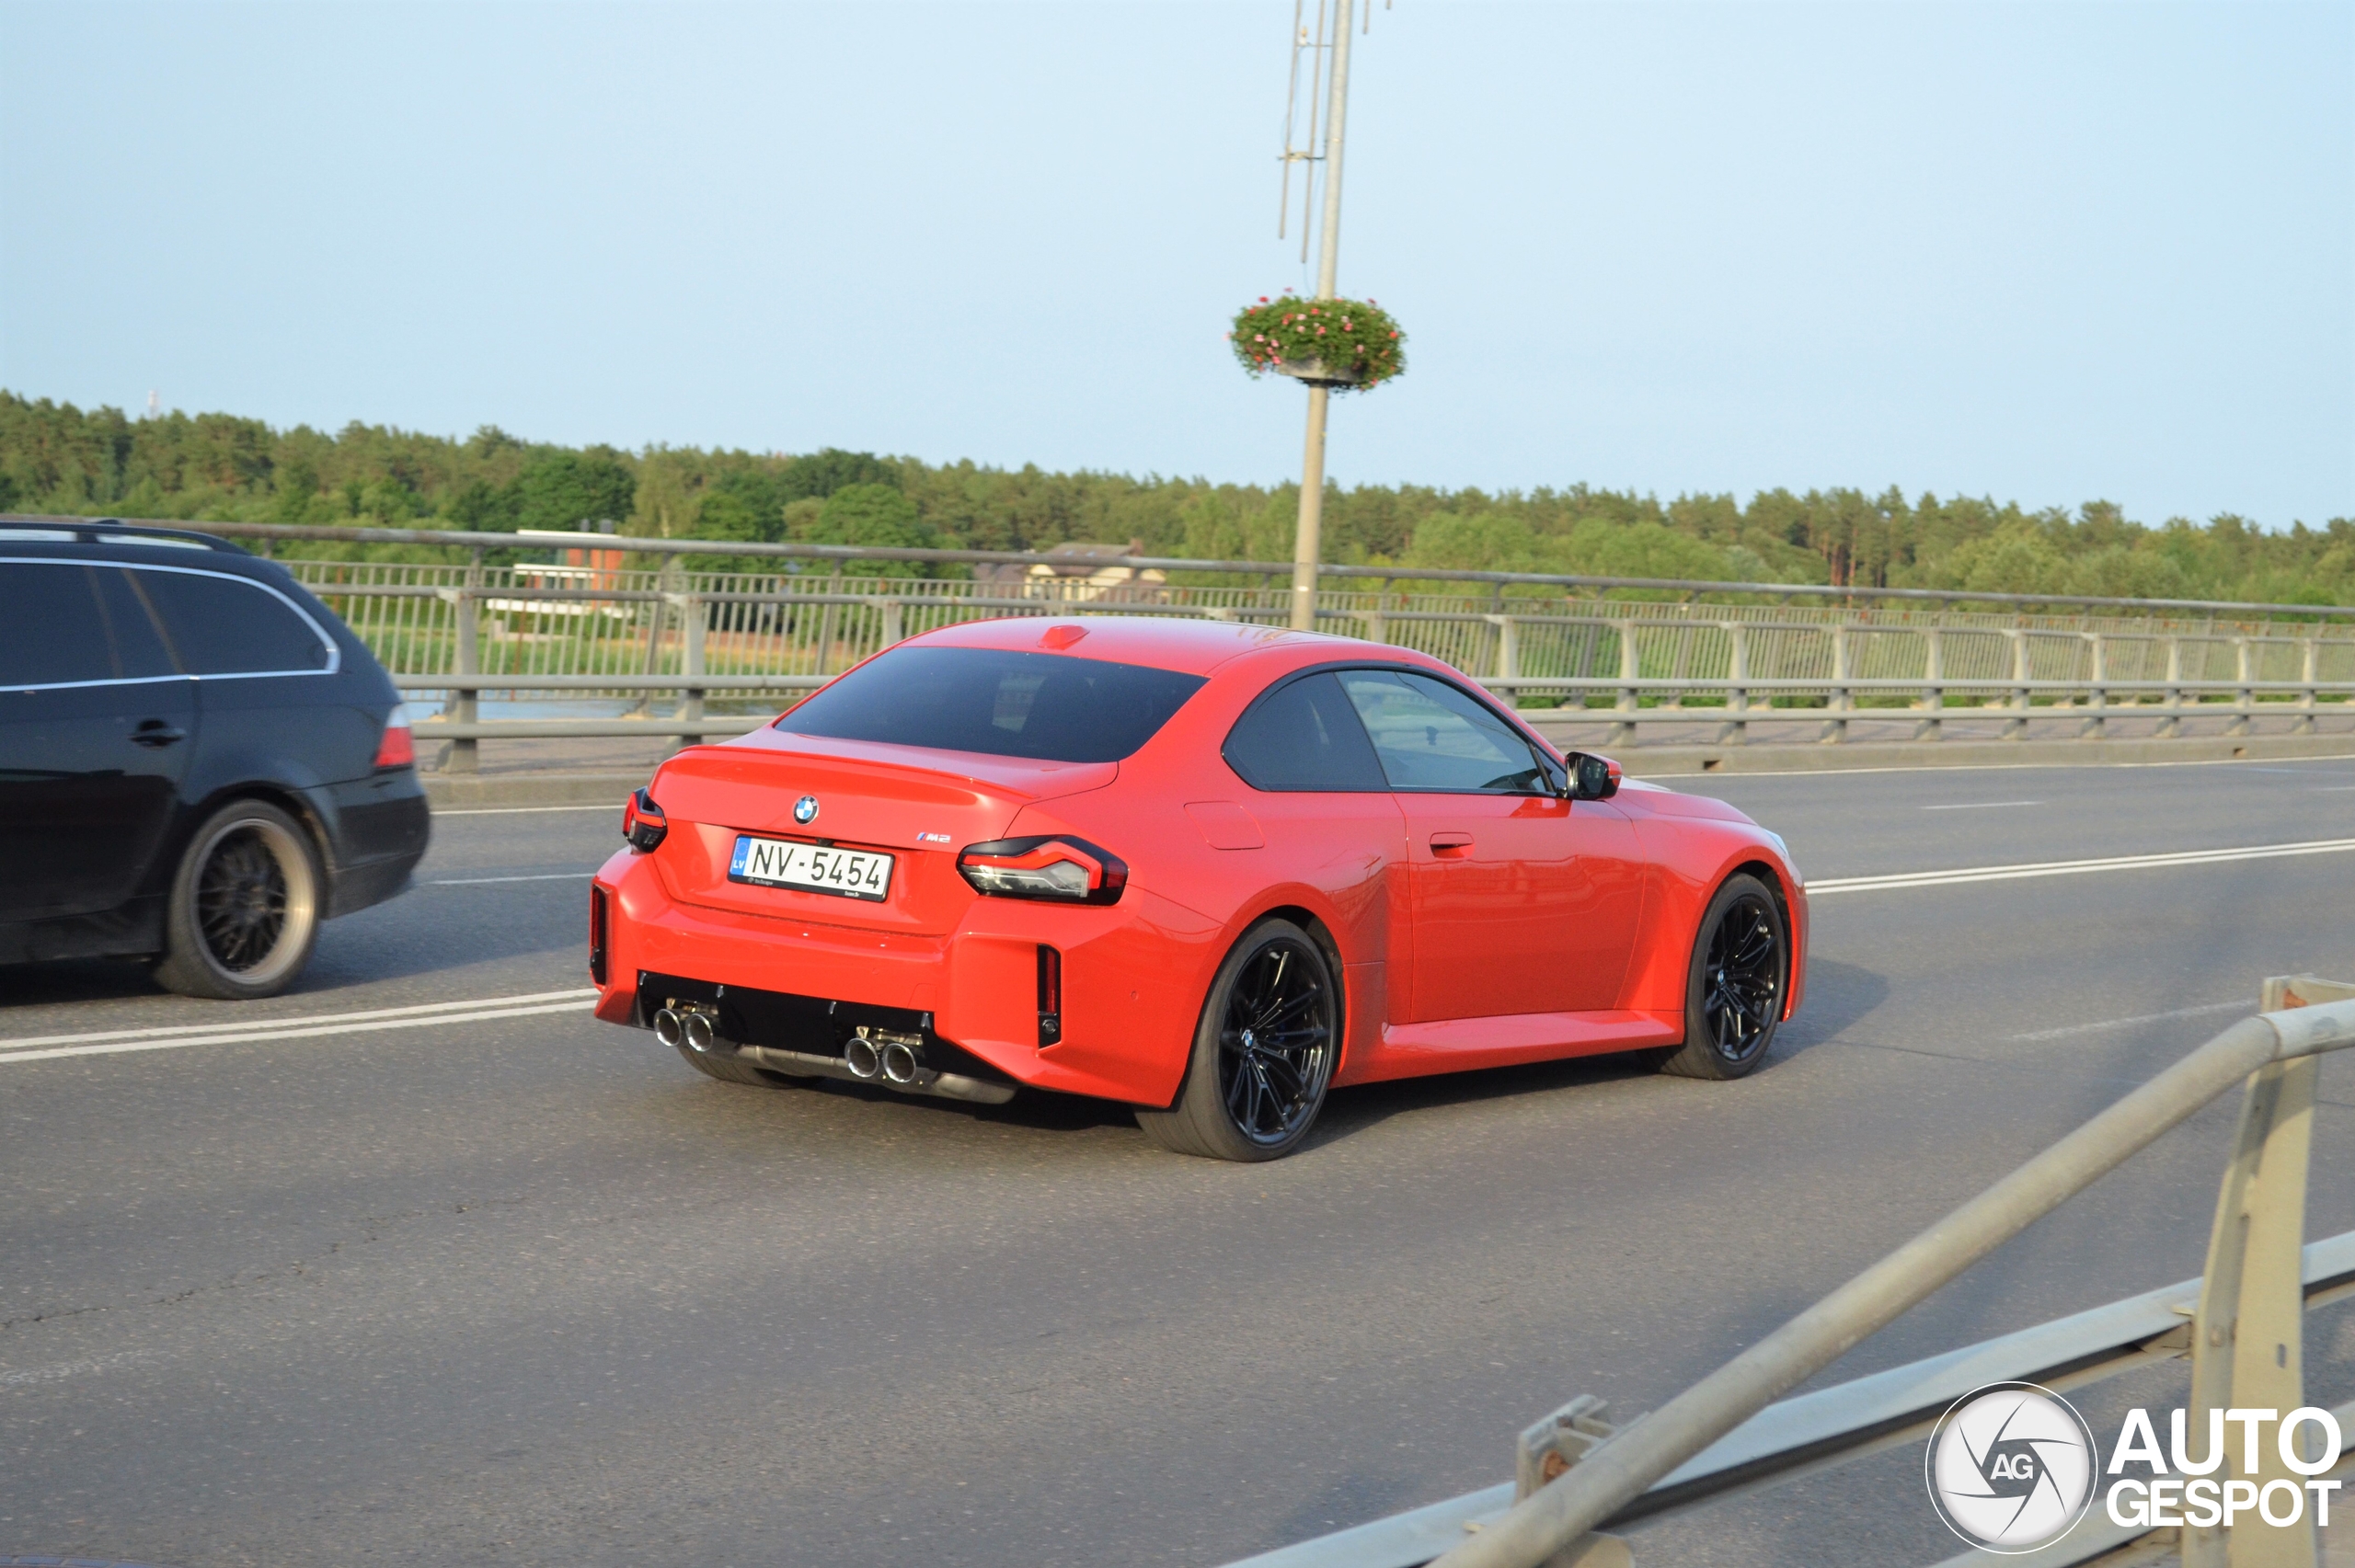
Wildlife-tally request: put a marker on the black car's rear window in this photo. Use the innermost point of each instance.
(1050, 706)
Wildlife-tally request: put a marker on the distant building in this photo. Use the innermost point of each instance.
(1077, 570)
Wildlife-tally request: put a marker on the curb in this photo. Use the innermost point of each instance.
(1673, 762)
(522, 791)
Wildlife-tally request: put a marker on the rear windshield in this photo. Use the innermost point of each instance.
(1050, 706)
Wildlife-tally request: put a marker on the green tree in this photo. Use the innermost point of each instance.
(565, 490)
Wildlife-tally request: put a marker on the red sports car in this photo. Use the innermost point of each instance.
(1208, 870)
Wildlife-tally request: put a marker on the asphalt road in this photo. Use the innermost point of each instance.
(518, 1288)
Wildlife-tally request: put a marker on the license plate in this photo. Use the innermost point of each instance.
(815, 868)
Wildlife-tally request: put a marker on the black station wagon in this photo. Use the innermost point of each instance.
(198, 760)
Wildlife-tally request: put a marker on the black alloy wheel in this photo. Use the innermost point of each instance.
(1263, 1055)
(245, 905)
(241, 899)
(1737, 979)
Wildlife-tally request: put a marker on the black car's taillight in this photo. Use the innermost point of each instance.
(1065, 869)
(397, 748)
(1051, 996)
(597, 924)
(643, 823)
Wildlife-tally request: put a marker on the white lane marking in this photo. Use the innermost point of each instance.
(1826, 775)
(196, 1033)
(516, 810)
(2072, 867)
(479, 881)
(60, 1370)
(1981, 805)
(2146, 1018)
(2330, 789)
(11, 1058)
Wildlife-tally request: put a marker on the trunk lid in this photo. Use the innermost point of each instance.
(920, 806)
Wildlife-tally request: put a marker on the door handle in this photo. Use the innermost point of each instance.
(156, 734)
(1446, 843)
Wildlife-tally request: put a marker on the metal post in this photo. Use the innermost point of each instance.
(1736, 731)
(1631, 669)
(692, 612)
(2097, 726)
(2309, 668)
(1508, 656)
(1308, 539)
(2245, 696)
(2171, 722)
(1934, 695)
(2248, 1331)
(2015, 727)
(894, 624)
(464, 705)
(1842, 699)
(1377, 625)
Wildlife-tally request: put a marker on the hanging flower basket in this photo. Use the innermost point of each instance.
(1347, 345)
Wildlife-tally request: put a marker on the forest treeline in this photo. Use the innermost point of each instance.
(222, 467)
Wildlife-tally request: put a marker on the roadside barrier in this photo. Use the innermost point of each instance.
(1581, 1477)
(1740, 661)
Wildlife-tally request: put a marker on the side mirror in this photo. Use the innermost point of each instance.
(1592, 777)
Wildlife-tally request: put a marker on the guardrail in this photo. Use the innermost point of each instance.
(2241, 1324)
(1751, 659)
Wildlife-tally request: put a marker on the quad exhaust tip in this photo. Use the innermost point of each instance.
(674, 1026)
(864, 1063)
(899, 1064)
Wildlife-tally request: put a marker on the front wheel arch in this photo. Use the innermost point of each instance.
(1733, 1001)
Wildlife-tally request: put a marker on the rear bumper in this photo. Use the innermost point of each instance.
(1133, 977)
(377, 829)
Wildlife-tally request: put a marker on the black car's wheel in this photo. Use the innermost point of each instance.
(244, 905)
(1263, 1053)
(1733, 993)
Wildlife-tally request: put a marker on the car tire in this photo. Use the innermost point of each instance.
(1263, 1054)
(1735, 984)
(244, 905)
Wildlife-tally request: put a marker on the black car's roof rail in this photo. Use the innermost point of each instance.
(107, 530)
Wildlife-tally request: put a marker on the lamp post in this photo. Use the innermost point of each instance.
(1306, 538)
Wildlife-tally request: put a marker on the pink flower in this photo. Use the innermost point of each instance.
(1263, 299)
(1320, 332)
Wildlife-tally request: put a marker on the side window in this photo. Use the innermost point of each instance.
(53, 630)
(223, 625)
(1429, 736)
(1305, 737)
(138, 646)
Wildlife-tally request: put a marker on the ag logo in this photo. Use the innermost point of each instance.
(2011, 1467)
(805, 811)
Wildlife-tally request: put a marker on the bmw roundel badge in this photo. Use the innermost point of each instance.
(805, 811)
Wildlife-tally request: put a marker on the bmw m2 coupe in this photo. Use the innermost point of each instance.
(1207, 869)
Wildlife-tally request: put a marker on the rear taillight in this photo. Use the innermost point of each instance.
(1065, 869)
(597, 935)
(1051, 996)
(398, 747)
(643, 823)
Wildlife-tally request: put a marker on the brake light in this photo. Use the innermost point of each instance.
(1065, 869)
(398, 747)
(1051, 996)
(643, 823)
(597, 934)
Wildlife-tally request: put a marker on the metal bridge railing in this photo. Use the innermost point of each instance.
(1739, 660)
(2241, 1324)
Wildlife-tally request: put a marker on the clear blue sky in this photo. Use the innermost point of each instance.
(2047, 252)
